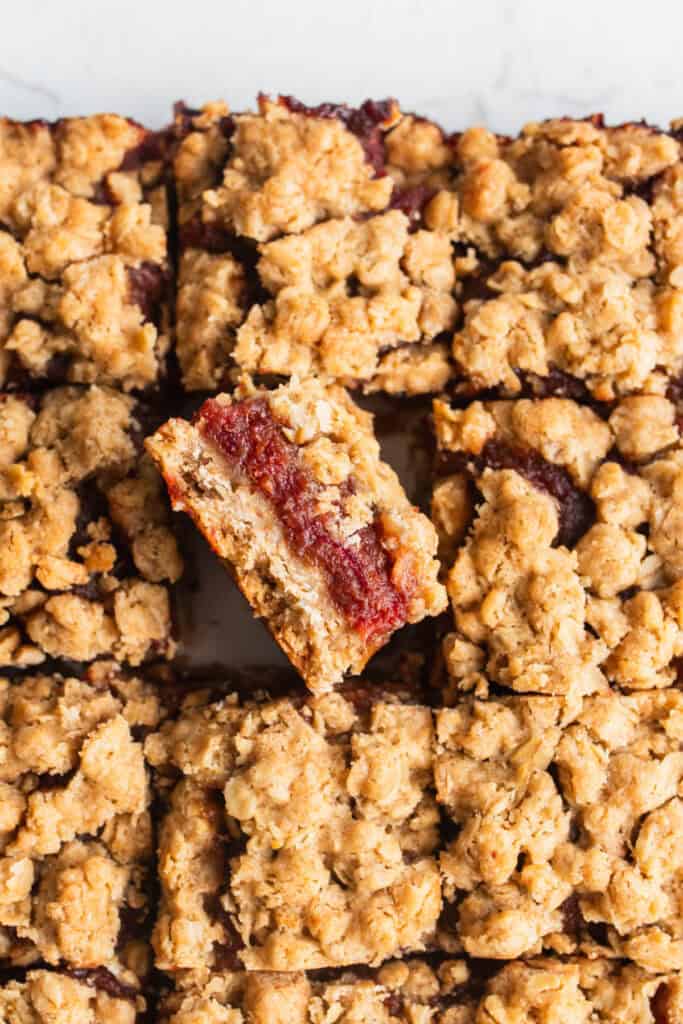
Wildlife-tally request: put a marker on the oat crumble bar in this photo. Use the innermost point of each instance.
(304, 247)
(568, 816)
(85, 540)
(52, 997)
(76, 845)
(578, 230)
(84, 274)
(289, 489)
(412, 991)
(570, 578)
(301, 833)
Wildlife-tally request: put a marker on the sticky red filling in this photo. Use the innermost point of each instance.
(358, 571)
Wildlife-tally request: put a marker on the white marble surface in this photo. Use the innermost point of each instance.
(501, 63)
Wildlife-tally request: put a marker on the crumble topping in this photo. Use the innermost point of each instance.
(541, 991)
(345, 292)
(288, 488)
(287, 169)
(314, 259)
(567, 814)
(571, 576)
(331, 815)
(75, 830)
(49, 997)
(581, 221)
(85, 541)
(83, 264)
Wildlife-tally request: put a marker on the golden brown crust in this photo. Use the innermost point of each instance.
(568, 815)
(588, 219)
(75, 829)
(541, 991)
(50, 997)
(570, 578)
(85, 540)
(334, 810)
(83, 258)
(332, 281)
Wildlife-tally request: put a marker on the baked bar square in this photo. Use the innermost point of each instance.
(306, 246)
(289, 489)
(63, 997)
(563, 526)
(76, 843)
(85, 539)
(413, 991)
(577, 228)
(84, 273)
(567, 818)
(300, 833)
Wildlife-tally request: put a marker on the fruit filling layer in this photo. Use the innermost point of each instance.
(358, 569)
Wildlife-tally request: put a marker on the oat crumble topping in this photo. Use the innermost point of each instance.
(83, 255)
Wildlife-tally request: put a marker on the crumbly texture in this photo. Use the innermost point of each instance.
(85, 540)
(83, 257)
(542, 991)
(301, 255)
(568, 817)
(578, 228)
(301, 835)
(571, 576)
(49, 997)
(334, 446)
(75, 832)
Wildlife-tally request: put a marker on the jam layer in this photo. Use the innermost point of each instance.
(358, 570)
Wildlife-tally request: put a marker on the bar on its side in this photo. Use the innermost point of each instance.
(289, 489)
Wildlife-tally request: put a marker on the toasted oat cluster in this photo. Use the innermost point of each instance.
(412, 991)
(579, 228)
(299, 834)
(289, 489)
(83, 256)
(568, 816)
(570, 578)
(76, 842)
(301, 254)
(85, 543)
(85, 997)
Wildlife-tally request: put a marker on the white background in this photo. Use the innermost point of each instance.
(502, 63)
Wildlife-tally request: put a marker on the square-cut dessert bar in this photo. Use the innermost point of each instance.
(304, 248)
(570, 578)
(364, 244)
(578, 229)
(63, 997)
(289, 489)
(84, 275)
(413, 991)
(567, 825)
(76, 844)
(300, 833)
(85, 540)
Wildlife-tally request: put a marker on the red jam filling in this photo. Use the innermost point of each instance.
(358, 570)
